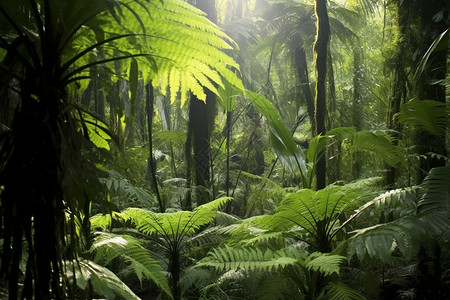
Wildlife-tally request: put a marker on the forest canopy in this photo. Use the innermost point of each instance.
(224, 149)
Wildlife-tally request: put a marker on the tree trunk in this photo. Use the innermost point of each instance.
(151, 161)
(320, 55)
(399, 90)
(357, 107)
(431, 84)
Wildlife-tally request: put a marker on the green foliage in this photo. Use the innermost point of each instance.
(427, 116)
(339, 291)
(104, 282)
(319, 214)
(324, 263)
(291, 155)
(109, 246)
(250, 259)
(173, 225)
(421, 212)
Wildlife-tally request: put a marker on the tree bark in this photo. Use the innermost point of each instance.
(320, 55)
(430, 85)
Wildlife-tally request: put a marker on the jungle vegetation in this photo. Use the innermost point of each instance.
(224, 149)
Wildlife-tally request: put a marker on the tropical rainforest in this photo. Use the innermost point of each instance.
(224, 149)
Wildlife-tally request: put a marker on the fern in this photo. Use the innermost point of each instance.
(339, 291)
(108, 246)
(185, 47)
(104, 282)
(324, 263)
(250, 259)
(426, 115)
(177, 224)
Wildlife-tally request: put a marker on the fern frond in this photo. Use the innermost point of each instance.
(175, 224)
(379, 144)
(108, 246)
(436, 188)
(326, 264)
(339, 291)
(426, 115)
(387, 243)
(104, 282)
(250, 259)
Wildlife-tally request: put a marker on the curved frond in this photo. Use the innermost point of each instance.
(103, 281)
(324, 263)
(339, 291)
(175, 224)
(426, 115)
(250, 259)
(108, 246)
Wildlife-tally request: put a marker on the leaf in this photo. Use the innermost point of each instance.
(109, 246)
(104, 282)
(250, 259)
(326, 264)
(439, 44)
(339, 291)
(282, 140)
(426, 115)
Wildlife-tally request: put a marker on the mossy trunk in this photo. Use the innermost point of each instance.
(320, 58)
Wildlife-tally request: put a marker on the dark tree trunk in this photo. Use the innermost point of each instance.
(302, 73)
(431, 84)
(320, 54)
(202, 115)
(357, 107)
(151, 160)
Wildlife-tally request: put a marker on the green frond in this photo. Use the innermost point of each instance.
(108, 246)
(426, 115)
(339, 291)
(436, 188)
(387, 243)
(125, 190)
(282, 140)
(104, 282)
(227, 258)
(175, 224)
(103, 221)
(272, 288)
(379, 144)
(307, 208)
(326, 264)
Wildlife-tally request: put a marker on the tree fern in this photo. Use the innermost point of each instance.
(175, 224)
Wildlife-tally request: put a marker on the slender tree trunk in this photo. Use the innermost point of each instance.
(151, 161)
(302, 73)
(320, 54)
(357, 111)
(400, 81)
(203, 114)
